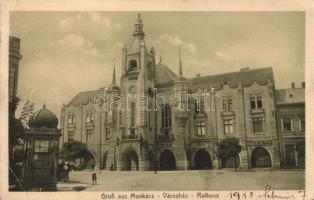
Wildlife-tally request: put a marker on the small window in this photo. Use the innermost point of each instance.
(287, 124)
(228, 126)
(41, 146)
(258, 124)
(200, 128)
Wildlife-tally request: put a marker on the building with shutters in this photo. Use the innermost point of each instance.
(239, 104)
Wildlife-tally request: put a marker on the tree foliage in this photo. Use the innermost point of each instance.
(26, 113)
(73, 150)
(228, 148)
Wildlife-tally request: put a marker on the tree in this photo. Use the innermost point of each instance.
(26, 113)
(72, 150)
(229, 148)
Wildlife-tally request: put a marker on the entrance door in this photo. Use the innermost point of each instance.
(202, 160)
(290, 155)
(167, 161)
(260, 158)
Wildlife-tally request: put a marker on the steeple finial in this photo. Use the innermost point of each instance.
(160, 59)
(180, 63)
(114, 72)
(44, 105)
(139, 32)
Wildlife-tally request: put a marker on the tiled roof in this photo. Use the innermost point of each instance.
(290, 96)
(233, 79)
(84, 97)
(164, 74)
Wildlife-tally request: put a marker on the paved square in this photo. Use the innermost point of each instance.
(187, 180)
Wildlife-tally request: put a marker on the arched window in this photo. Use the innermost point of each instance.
(166, 117)
(132, 65)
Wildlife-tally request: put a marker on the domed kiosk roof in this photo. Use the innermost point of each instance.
(43, 118)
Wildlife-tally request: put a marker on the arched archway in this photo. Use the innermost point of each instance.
(129, 160)
(89, 160)
(260, 158)
(167, 161)
(202, 160)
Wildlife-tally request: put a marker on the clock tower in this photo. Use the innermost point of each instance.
(137, 82)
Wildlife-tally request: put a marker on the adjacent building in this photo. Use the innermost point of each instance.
(193, 116)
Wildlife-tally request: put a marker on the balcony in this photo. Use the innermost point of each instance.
(131, 135)
(257, 111)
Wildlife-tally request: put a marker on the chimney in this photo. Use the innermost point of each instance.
(303, 84)
(292, 85)
(198, 75)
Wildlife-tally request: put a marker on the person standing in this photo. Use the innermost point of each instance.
(94, 175)
(66, 170)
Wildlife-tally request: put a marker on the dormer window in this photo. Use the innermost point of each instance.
(132, 65)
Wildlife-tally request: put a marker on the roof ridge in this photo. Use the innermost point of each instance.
(227, 73)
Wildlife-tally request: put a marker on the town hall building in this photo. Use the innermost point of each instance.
(242, 104)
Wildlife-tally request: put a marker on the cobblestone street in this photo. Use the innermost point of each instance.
(186, 180)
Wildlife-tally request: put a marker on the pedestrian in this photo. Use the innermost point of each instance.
(66, 171)
(94, 175)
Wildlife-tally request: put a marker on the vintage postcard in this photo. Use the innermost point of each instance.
(130, 100)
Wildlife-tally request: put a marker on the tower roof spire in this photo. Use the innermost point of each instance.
(114, 72)
(180, 63)
(139, 32)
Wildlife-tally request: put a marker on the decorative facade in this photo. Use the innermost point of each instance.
(240, 104)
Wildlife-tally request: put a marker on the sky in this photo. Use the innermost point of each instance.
(68, 52)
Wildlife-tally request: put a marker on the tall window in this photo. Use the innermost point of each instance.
(227, 105)
(71, 119)
(228, 126)
(200, 128)
(287, 124)
(302, 123)
(256, 102)
(89, 117)
(71, 135)
(107, 133)
(89, 135)
(166, 117)
(258, 124)
(133, 115)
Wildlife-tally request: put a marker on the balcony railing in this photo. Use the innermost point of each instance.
(132, 134)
